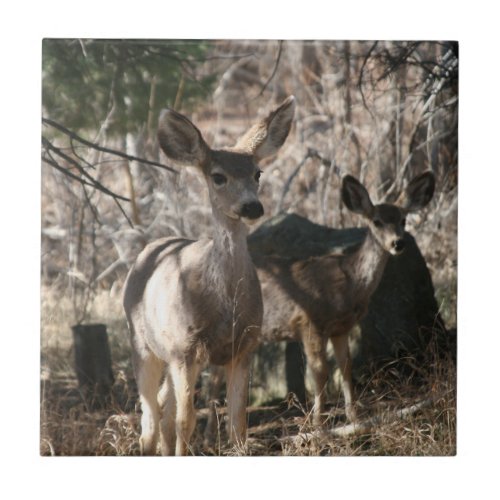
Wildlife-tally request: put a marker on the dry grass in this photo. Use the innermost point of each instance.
(71, 425)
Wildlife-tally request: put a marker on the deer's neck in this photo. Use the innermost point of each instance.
(368, 264)
(229, 260)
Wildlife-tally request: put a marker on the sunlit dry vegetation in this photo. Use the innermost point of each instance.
(381, 111)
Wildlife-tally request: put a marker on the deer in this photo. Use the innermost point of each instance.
(193, 302)
(321, 298)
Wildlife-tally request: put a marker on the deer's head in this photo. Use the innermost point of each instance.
(232, 174)
(387, 221)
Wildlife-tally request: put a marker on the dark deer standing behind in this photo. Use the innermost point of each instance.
(188, 302)
(322, 298)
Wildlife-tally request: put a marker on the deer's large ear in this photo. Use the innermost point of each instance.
(266, 138)
(181, 140)
(356, 197)
(419, 192)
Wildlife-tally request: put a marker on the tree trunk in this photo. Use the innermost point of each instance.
(295, 370)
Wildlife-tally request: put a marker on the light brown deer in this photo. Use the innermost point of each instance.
(188, 302)
(321, 298)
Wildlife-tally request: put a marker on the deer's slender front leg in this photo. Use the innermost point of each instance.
(184, 376)
(237, 377)
(215, 384)
(343, 357)
(315, 349)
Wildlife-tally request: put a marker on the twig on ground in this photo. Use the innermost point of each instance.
(361, 427)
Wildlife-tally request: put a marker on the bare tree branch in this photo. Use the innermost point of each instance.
(360, 79)
(278, 57)
(76, 137)
(67, 172)
(92, 182)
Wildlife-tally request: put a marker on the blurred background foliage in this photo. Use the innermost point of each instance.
(86, 83)
(382, 111)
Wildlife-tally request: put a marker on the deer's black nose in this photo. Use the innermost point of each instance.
(252, 210)
(399, 245)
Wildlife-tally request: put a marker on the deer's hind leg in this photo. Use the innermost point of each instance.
(166, 400)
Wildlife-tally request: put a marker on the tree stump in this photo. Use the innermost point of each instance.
(93, 361)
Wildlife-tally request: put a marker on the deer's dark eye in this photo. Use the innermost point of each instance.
(219, 179)
(257, 175)
(378, 223)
